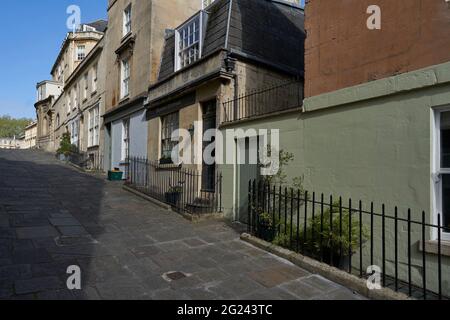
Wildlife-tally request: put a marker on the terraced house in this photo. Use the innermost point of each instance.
(79, 111)
(59, 98)
(207, 60)
(375, 128)
(133, 46)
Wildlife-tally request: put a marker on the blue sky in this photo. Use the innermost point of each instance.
(32, 33)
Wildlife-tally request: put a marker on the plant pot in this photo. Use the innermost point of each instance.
(342, 262)
(166, 161)
(115, 175)
(265, 231)
(172, 198)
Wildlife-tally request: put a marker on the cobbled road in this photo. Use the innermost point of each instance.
(53, 216)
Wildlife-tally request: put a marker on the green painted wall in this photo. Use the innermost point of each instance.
(372, 143)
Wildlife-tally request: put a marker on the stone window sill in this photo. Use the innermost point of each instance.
(431, 247)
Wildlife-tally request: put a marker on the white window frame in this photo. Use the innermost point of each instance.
(125, 78)
(86, 86)
(69, 102)
(179, 35)
(94, 127)
(206, 3)
(169, 123)
(437, 172)
(125, 145)
(75, 99)
(74, 134)
(94, 78)
(127, 20)
(81, 52)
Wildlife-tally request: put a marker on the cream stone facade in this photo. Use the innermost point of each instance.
(78, 111)
(9, 144)
(193, 95)
(134, 42)
(52, 96)
(31, 136)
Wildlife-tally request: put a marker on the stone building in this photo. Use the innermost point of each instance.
(133, 46)
(75, 48)
(31, 135)
(211, 58)
(47, 93)
(78, 111)
(9, 143)
(375, 125)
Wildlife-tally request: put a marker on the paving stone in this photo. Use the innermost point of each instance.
(31, 256)
(344, 294)
(37, 285)
(302, 290)
(60, 295)
(36, 232)
(72, 231)
(124, 244)
(195, 242)
(7, 233)
(146, 251)
(169, 294)
(269, 278)
(12, 272)
(321, 283)
(64, 222)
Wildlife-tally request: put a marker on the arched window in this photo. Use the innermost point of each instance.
(58, 120)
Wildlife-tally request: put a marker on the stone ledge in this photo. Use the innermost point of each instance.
(414, 80)
(431, 247)
(341, 277)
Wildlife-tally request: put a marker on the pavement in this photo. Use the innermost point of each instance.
(53, 216)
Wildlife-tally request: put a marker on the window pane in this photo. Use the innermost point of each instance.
(445, 148)
(446, 202)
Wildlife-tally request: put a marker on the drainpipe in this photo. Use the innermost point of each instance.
(230, 63)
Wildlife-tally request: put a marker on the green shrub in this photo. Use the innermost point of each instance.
(287, 235)
(66, 148)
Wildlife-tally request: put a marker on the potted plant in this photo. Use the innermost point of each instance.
(165, 160)
(265, 226)
(336, 246)
(173, 195)
(332, 239)
(66, 148)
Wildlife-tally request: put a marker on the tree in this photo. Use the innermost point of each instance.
(10, 127)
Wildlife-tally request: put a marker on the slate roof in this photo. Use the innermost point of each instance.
(99, 25)
(266, 30)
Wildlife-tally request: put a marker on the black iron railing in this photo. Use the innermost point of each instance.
(354, 238)
(264, 102)
(179, 187)
(91, 161)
